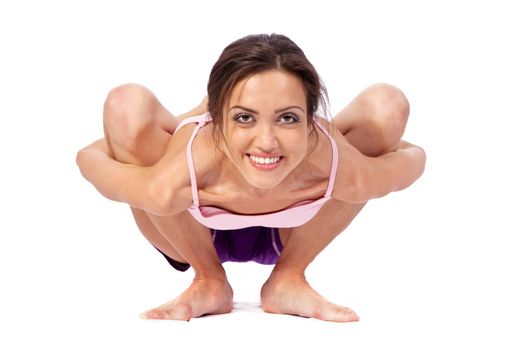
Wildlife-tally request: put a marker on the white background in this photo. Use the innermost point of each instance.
(439, 265)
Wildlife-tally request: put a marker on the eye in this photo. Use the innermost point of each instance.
(289, 119)
(243, 118)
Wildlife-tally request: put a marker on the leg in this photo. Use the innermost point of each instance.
(286, 290)
(375, 120)
(137, 130)
(373, 123)
(132, 116)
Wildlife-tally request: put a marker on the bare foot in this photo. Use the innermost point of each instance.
(285, 294)
(203, 297)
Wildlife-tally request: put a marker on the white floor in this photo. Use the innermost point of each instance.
(416, 283)
(437, 266)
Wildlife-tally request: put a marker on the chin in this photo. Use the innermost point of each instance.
(263, 184)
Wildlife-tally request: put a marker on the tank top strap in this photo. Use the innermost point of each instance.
(335, 158)
(195, 119)
(201, 120)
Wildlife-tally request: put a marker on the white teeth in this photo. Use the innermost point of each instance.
(263, 161)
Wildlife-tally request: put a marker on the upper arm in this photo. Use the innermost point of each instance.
(366, 178)
(150, 188)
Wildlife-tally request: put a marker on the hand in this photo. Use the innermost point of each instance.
(198, 110)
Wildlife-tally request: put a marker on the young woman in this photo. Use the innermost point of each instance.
(252, 173)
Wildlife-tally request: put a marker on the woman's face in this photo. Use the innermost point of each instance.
(265, 127)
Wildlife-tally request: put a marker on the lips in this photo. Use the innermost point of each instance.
(265, 162)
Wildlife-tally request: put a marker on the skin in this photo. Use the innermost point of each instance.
(140, 150)
(252, 126)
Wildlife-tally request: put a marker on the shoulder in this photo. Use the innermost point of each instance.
(316, 173)
(173, 182)
(201, 144)
(361, 178)
(207, 157)
(350, 170)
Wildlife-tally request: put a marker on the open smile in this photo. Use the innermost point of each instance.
(265, 163)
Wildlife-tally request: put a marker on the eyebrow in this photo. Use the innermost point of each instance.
(255, 112)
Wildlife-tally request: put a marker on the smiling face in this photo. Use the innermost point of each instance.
(266, 128)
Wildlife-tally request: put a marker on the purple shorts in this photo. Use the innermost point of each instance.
(260, 244)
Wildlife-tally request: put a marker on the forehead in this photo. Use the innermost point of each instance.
(268, 88)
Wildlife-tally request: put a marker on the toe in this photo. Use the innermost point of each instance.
(348, 315)
(180, 312)
(339, 314)
(155, 315)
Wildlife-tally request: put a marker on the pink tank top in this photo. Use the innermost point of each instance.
(220, 219)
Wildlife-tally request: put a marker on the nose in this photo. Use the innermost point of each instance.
(267, 140)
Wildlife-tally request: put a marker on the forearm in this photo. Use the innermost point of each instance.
(114, 180)
(394, 171)
(405, 165)
(151, 188)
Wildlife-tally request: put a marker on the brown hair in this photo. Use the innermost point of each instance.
(255, 54)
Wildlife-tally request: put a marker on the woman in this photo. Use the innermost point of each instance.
(251, 173)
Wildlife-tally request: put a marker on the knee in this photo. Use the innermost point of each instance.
(389, 109)
(389, 103)
(127, 113)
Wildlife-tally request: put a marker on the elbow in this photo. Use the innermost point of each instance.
(158, 201)
(419, 162)
(86, 156)
(360, 195)
(414, 169)
(160, 198)
(371, 183)
(80, 153)
(423, 161)
(358, 191)
(80, 160)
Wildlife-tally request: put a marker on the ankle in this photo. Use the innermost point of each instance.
(218, 275)
(284, 272)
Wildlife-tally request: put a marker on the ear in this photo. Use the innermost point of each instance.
(311, 126)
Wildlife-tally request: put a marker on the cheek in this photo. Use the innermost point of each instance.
(297, 143)
(238, 141)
